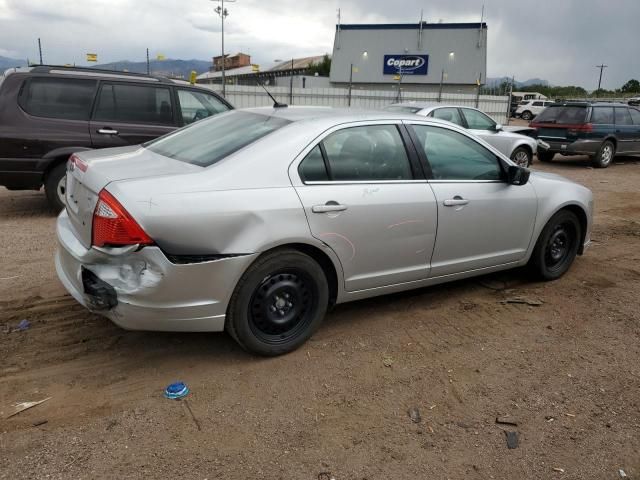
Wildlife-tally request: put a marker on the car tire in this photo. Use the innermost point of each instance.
(526, 115)
(605, 155)
(522, 157)
(557, 246)
(278, 303)
(54, 186)
(545, 156)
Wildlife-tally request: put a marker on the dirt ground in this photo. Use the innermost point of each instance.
(568, 371)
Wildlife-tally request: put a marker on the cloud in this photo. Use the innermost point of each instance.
(562, 47)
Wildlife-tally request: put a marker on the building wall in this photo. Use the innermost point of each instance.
(467, 41)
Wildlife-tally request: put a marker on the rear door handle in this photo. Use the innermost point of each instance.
(455, 201)
(328, 207)
(107, 131)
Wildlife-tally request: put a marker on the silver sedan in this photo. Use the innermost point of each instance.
(512, 141)
(256, 221)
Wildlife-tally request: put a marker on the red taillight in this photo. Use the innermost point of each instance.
(77, 163)
(582, 128)
(112, 224)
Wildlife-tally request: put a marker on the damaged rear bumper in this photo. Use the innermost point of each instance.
(143, 290)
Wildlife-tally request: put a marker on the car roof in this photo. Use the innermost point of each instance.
(595, 103)
(97, 73)
(338, 115)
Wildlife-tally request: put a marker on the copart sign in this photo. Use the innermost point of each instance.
(404, 64)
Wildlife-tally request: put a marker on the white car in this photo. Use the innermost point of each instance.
(518, 147)
(531, 108)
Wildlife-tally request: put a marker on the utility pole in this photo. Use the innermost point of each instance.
(148, 69)
(441, 82)
(291, 85)
(601, 67)
(350, 85)
(220, 10)
(40, 50)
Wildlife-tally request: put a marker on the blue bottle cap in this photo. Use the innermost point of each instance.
(176, 390)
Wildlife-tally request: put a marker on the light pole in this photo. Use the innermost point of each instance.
(452, 57)
(220, 10)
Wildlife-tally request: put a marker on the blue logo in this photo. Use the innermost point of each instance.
(403, 64)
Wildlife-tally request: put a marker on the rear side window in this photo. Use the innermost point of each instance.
(569, 114)
(453, 156)
(209, 141)
(623, 117)
(602, 115)
(134, 104)
(312, 168)
(449, 114)
(635, 116)
(65, 98)
(369, 153)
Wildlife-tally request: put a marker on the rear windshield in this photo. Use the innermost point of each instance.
(402, 109)
(208, 141)
(563, 114)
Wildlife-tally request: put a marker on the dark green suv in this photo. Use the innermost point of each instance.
(600, 130)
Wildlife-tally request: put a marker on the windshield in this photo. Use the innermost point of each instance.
(402, 109)
(563, 114)
(209, 141)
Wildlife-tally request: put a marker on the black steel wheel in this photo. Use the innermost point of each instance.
(278, 303)
(557, 246)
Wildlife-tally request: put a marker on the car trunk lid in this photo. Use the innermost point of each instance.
(94, 170)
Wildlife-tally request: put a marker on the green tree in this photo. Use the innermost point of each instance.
(632, 86)
(322, 68)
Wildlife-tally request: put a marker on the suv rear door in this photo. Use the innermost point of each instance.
(131, 113)
(635, 118)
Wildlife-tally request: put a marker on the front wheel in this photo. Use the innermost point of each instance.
(557, 246)
(278, 303)
(526, 115)
(54, 187)
(605, 155)
(521, 156)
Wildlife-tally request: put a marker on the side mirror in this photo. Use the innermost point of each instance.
(517, 175)
(498, 127)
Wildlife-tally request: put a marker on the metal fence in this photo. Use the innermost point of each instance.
(242, 96)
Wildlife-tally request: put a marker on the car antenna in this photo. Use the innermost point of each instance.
(276, 104)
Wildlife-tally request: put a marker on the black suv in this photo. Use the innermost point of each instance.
(600, 130)
(49, 112)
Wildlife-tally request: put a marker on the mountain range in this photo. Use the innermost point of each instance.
(497, 81)
(169, 67)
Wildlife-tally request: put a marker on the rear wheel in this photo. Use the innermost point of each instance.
(546, 156)
(55, 185)
(521, 156)
(526, 115)
(605, 155)
(557, 246)
(278, 303)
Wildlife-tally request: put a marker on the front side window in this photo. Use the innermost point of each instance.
(477, 120)
(65, 98)
(453, 156)
(209, 141)
(602, 115)
(134, 104)
(623, 117)
(449, 114)
(369, 153)
(198, 105)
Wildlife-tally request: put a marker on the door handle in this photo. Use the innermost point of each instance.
(328, 207)
(455, 201)
(107, 131)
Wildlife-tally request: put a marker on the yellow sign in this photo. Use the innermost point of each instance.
(255, 68)
(355, 69)
(92, 57)
(160, 57)
(396, 77)
(192, 77)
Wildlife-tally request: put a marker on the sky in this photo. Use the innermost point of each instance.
(561, 41)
